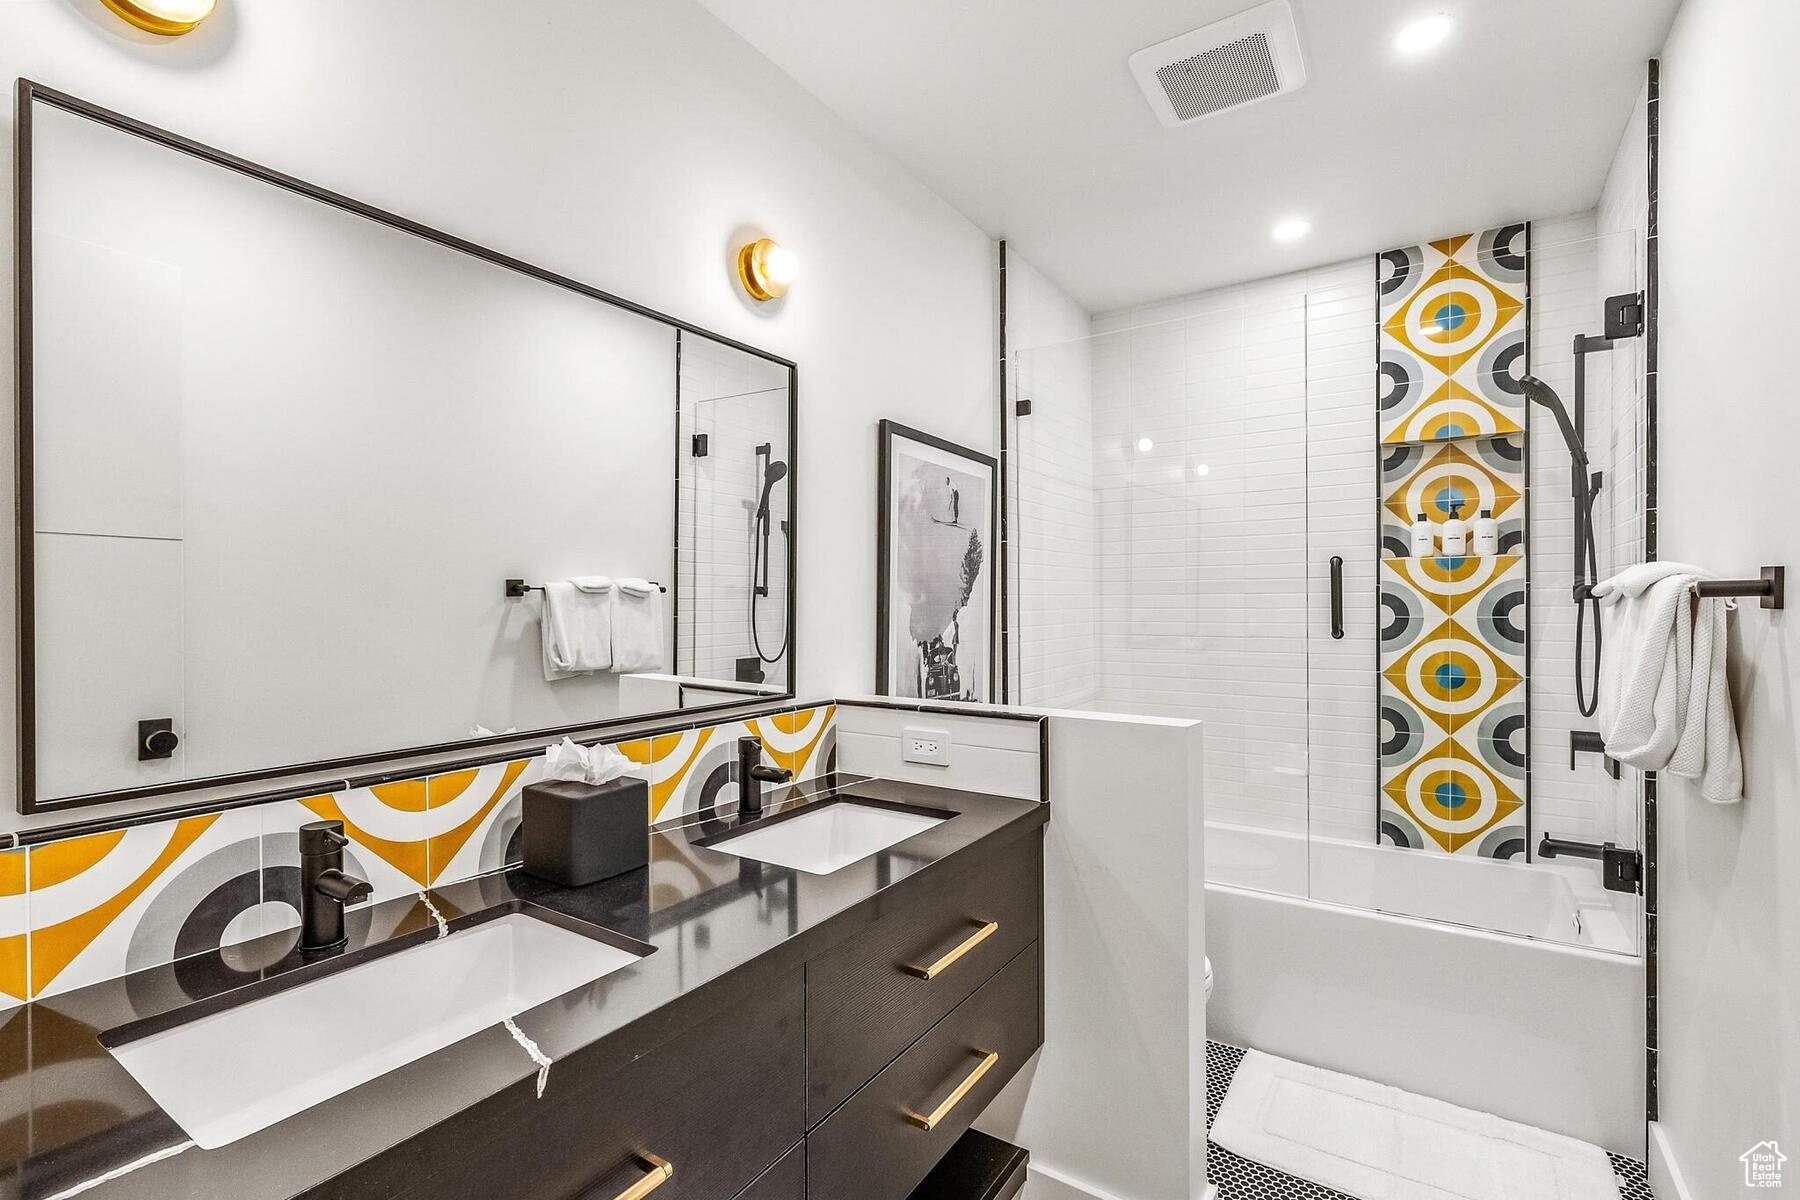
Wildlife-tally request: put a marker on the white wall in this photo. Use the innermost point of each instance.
(1729, 906)
(632, 146)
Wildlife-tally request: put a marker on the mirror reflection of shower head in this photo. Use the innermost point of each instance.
(1539, 392)
(774, 474)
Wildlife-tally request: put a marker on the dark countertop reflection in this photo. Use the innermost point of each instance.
(70, 1115)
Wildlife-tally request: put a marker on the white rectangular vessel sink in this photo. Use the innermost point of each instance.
(829, 838)
(229, 1074)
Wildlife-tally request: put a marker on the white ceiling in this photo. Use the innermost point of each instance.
(1023, 114)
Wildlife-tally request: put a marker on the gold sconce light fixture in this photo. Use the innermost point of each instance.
(167, 17)
(766, 269)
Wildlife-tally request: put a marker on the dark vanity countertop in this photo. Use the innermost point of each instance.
(74, 1122)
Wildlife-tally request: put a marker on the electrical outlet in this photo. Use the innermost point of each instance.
(930, 746)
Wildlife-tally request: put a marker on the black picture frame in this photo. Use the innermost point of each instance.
(261, 781)
(891, 436)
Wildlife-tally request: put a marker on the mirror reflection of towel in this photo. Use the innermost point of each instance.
(637, 628)
(577, 626)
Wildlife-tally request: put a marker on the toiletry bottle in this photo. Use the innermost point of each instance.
(1424, 542)
(1454, 540)
(1487, 533)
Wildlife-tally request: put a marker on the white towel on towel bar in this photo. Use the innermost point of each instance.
(577, 626)
(1664, 703)
(637, 628)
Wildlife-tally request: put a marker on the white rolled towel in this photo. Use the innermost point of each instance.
(637, 627)
(577, 626)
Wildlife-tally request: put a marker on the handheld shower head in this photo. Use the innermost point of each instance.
(1541, 393)
(774, 474)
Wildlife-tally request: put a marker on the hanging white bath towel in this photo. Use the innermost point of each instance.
(1708, 750)
(577, 626)
(637, 627)
(1664, 703)
(1376, 1142)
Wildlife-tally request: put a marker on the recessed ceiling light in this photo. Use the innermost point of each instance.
(1427, 33)
(1201, 469)
(1145, 445)
(1290, 230)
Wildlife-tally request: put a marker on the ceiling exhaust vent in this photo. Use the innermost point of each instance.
(1222, 66)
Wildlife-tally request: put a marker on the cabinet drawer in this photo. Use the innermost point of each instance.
(786, 1180)
(717, 1104)
(876, 1146)
(865, 1000)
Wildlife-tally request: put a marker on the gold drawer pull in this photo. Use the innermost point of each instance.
(941, 965)
(937, 1115)
(660, 1171)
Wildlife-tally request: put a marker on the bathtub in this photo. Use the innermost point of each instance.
(1541, 1022)
(1559, 902)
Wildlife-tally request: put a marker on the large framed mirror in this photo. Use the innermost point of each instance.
(305, 484)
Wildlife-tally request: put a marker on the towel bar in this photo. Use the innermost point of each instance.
(518, 587)
(1771, 587)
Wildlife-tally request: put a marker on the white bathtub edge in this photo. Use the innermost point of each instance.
(1475, 931)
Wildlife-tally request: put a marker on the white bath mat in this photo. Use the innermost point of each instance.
(1376, 1142)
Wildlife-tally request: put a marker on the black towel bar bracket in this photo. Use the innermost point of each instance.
(516, 588)
(1770, 588)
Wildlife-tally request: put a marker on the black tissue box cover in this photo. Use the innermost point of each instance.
(579, 833)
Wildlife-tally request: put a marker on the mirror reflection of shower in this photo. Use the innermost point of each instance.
(772, 471)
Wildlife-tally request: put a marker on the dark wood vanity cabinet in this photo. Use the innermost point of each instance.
(869, 998)
(713, 1107)
(914, 1025)
(844, 1077)
(889, 1135)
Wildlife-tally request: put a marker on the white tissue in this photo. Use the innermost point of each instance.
(584, 764)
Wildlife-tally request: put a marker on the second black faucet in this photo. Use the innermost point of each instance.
(752, 773)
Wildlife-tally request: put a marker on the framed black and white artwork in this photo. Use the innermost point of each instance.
(934, 595)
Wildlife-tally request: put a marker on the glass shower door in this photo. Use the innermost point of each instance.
(1160, 530)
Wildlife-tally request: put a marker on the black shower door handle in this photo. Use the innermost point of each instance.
(1337, 596)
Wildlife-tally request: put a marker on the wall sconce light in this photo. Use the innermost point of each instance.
(765, 269)
(167, 17)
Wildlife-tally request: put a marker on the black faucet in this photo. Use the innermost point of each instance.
(324, 888)
(752, 773)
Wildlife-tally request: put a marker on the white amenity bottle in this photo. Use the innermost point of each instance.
(1424, 539)
(1487, 533)
(1454, 540)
